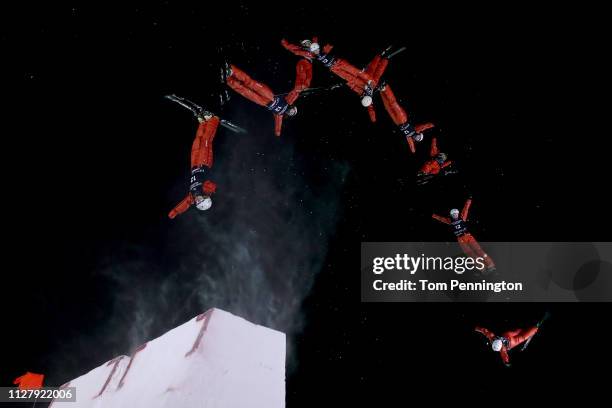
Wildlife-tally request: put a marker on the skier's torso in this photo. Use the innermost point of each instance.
(459, 227)
(198, 176)
(278, 106)
(407, 129)
(326, 59)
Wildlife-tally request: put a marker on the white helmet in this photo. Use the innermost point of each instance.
(314, 48)
(366, 101)
(454, 213)
(204, 117)
(292, 111)
(203, 203)
(497, 345)
(418, 137)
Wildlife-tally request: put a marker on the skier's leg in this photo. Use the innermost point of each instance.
(348, 72)
(202, 147)
(376, 68)
(303, 77)
(465, 247)
(481, 253)
(242, 83)
(393, 108)
(248, 93)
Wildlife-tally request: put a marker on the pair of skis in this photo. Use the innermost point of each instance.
(199, 111)
(546, 316)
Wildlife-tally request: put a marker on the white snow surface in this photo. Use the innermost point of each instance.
(215, 360)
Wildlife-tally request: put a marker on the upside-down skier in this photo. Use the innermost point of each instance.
(200, 187)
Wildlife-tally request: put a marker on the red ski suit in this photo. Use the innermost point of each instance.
(201, 155)
(262, 95)
(356, 79)
(466, 241)
(510, 339)
(433, 166)
(400, 117)
(338, 66)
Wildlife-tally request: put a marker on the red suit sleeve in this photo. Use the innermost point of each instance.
(278, 124)
(420, 128)
(503, 353)
(202, 147)
(296, 49)
(446, 164)
(209, 187)
(395, 111)
(489, 335)
(433, 152)
(445, 220)
(303, 78)
(411, 144)
(181, 207)
(466, 209)
(372, 113)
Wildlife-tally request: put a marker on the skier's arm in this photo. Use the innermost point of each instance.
(372, 113)
(503, 353)
(278, 124)
(466, 209)
(411, 144)
(444, 220)
(446, 164)
(488, 334)
(433, 152)
(296, 49)
(181, 207)
(209, 187)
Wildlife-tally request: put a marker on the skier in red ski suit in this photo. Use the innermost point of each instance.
(262, 95)
(467, 242)
(508, 340)
(362, 82)
(200, 188)
(438, 160)
(400, 118)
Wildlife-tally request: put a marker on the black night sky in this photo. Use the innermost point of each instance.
(94, 158)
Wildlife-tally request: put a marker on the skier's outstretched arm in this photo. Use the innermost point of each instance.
(444, 220)
(278, 125)
(504, 356)
(181, 207)
(488, 334)
(296, 49)
(433, 152)
(411, 144)
(466, 209)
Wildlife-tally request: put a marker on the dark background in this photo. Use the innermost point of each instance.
(93, 159)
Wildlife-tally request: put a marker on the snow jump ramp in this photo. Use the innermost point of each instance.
(215, 360)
